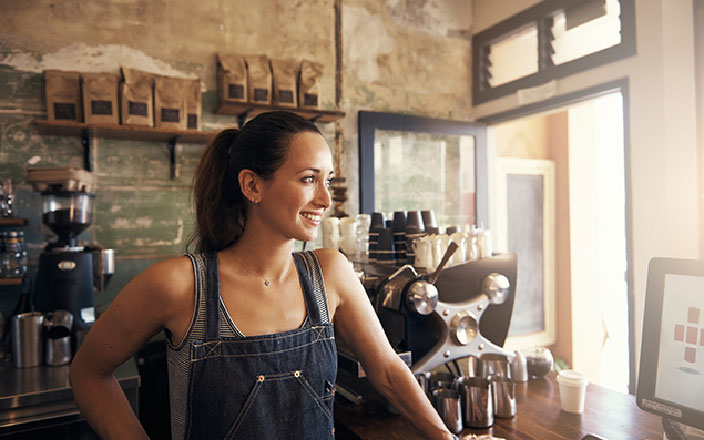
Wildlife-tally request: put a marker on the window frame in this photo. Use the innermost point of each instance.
(541, 15)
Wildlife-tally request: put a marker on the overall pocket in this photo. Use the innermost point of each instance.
(285, 405)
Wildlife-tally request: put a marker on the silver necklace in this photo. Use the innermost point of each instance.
(267, 283)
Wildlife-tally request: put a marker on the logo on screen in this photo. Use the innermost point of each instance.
(689, 333)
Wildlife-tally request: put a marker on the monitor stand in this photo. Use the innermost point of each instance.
(674, 430)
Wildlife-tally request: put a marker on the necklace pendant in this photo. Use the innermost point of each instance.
(267, 283)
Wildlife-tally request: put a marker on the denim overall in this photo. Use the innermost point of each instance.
(278, 386)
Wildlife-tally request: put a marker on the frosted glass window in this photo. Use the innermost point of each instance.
(514, 56)
(421, 171)
(573, 42)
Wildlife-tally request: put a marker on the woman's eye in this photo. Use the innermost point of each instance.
(308, 179)
(329, 181)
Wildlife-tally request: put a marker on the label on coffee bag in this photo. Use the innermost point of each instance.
(137, 108)
(170, 115)
(64, 111)
(235, 91)
(101, 107)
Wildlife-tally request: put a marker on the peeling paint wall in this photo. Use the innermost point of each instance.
(407, 56)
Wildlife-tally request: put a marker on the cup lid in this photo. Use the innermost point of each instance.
(571, 377)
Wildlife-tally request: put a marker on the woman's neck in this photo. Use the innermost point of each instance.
(262, 254)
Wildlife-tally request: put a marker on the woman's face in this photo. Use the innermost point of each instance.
(296, 197)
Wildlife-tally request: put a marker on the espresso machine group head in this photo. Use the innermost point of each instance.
(443, 316)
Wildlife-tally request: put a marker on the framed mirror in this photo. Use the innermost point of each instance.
(411, 162)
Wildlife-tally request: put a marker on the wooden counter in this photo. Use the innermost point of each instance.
(608, 414)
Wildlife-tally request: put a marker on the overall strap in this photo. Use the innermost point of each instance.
(212, 297)
(313, 287)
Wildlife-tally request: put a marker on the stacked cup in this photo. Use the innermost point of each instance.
(399, 231)
(376, 224)
(415, 229)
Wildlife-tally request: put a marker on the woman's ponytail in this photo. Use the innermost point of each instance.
(218, 201)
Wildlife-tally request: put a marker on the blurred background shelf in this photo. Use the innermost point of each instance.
(124, 132)
(13, 221)
(249, 110)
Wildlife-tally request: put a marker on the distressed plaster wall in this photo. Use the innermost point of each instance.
(407, 56)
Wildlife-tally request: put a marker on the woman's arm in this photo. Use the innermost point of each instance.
(358, 326)
(151, 301)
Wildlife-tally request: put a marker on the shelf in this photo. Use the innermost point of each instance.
(246, 109)
(10, 281)
(13, 221)
(124, 132)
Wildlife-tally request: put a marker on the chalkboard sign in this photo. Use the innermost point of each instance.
(526, 225)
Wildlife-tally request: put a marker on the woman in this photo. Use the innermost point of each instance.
(251, 350)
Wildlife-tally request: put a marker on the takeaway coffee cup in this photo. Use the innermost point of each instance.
(573, 389)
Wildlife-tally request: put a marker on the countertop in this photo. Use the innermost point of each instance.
(608, 414)
(43, 394)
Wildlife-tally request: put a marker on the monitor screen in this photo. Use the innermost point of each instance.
(671, 378)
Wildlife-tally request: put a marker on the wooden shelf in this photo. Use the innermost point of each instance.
(10, 281)
(251, 110)
(124, 132)
(13, 221)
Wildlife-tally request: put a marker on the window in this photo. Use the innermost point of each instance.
(548, 41)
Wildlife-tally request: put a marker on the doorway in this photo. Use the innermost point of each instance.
(584, 140)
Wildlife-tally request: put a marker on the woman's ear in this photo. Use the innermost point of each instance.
(250, 183)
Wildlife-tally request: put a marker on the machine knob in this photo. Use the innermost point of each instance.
(422, 297)
(464, 328)
(495, 286)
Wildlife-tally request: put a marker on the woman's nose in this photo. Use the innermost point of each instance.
(323, 196)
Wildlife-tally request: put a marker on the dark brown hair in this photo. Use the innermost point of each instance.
(261, 146)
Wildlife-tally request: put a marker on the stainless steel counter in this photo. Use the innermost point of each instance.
(32, 398)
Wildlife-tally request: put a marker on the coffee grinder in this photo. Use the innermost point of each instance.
(68, 272)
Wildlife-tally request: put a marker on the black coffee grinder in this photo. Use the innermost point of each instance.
(68, 272)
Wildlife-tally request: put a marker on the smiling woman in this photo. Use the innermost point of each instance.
(249, 322)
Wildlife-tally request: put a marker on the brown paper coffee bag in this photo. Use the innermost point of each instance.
(100, 92)
(194, 104)
(63, 95)
(258, 79)
(285, 73)
(309, 84)
(231, 76)
(170, 103)
(137, 97)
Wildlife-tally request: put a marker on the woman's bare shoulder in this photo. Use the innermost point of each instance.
(171, 278)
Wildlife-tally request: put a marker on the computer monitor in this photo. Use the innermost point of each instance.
(671, 379)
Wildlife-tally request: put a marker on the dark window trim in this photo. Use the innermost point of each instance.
(369, 122)
(541, 15)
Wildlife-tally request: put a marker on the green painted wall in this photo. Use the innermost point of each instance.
(408, 56)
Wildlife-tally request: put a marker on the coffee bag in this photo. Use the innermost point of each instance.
(194, 104)
(137, 97)
(258, 79)
(170, 103)
(284, 74)
(309, 84)
(100, 92)
(63, 95)
(231, 73)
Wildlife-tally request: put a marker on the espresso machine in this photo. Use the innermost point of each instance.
(68, 272)
(435, 318)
